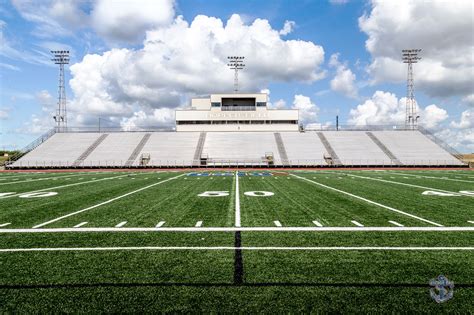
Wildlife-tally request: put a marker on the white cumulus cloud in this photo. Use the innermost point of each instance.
(442, 29)
(128, 20)
(466, 121)
(288, 27)
(344, 80)
(384, 108)
(185, 59)
(308, 111)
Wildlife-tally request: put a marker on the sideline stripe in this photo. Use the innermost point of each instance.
(237, 200)
(357, 223)
(105, 202)
(317, 223)
(80, 224)
(160, 224)
(395, 223)
(121, 224)
(255, 248)
(63, 186)
(4, 224)
(40, 179)
(411, 185)
(247, 229)
(198, 224)
(369, 201)
(277, 223)
(434, 177)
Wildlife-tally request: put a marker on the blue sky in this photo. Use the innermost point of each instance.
(334, 58)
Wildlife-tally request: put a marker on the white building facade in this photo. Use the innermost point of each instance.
(235, 112)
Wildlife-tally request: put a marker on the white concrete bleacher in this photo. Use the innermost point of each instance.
(303, 148)
(246, 148)
(170, 148)
(114, 150)
(412, 147)
(230, 148)
(356, 148)
(61, 149)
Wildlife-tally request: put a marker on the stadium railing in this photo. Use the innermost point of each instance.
(31, 146)
(235, 163)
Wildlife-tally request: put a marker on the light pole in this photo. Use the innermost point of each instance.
(410, 56)
(236, 64)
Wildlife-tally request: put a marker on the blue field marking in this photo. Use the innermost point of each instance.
(222, 174)
(205, 174)
(255, 174)
(198, 174)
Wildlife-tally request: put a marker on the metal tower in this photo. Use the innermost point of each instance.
(61, 58)
(235, 63)
(410, 56)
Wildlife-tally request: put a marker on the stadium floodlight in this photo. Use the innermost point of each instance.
(236, 64)
(61, 58)
(410, 56)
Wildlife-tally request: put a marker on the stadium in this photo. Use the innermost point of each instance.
(238, 208)
(238, 130)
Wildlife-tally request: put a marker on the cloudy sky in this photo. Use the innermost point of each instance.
(134, 62)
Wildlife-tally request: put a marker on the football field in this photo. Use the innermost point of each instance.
(240, 241)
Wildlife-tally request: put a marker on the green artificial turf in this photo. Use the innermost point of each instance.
(233, 279)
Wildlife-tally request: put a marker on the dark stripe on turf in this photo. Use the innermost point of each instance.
(220, 284)
(238, 261)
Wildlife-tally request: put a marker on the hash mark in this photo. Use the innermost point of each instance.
(121, 224)
(317, 223)
(80, 224)
(395, 223)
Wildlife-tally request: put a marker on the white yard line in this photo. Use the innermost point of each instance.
(317, 223)
(237, 200)
(277, 223)
(80, 224)
(357, 223)
(411, 185)
(121, 224)
(105, 202)
(4, 224)
(368, 201)
(246, 229)
(434, 177)
(395, 223)
(39, 179)
(160, 224)
(198, 224)
(63, 186)
(253, 248)
(472, 222)
(444, 173)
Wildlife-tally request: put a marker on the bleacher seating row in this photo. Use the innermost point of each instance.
(179, 149)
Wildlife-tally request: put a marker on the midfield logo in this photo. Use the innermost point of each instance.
(442, 289)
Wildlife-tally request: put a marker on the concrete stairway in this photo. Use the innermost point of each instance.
(138, 149)
(281, 149)
(199, 148)
(382, 147)
(90, 149)
(329, 148)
